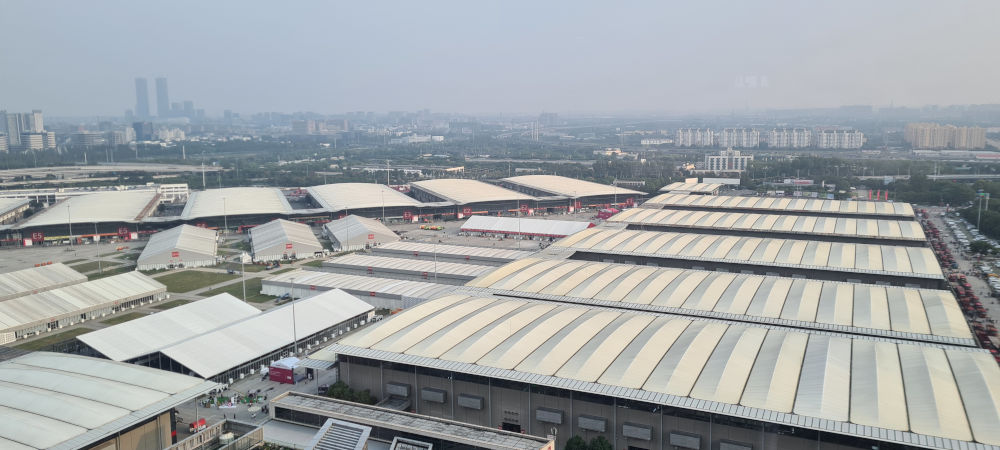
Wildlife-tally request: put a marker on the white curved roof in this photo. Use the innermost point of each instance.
(184, 237)
(884, 229)
(355, 261)
(848, 385)
(783, 204)
(569, 187)
(147, 334)
(922, 314)
(462, 191)
(37, 279)
(424, 248)
(112, 206)
(276, 234)
(75, 299)
(61, 401)
(341, 196)
(212, 353)
(358, 284)
(681, 187)
(847, 257)
(238, 201)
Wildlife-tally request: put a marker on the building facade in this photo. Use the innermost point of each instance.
(695, 137)
(728, 160)
(936, 136)
(739, 138)
(839, 139)
(141, 99)
(789, 138)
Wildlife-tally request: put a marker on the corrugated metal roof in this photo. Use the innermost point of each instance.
(200, 241)
(238, 201)
(905, 313)
(517, 225)
(212, 353)
(779, 204)
(454, 250)
(114, 206)
(76, 299)
(807, 374)
(37, 279)
(275, 236)
(884, 229)
(354, 231)
(847, 257)
(461, 191)
(9, 204)
(147, 334)
(341, 196)
(681, 187)
(56, 400)
(568, 187)
(357, 283)
(410, 265)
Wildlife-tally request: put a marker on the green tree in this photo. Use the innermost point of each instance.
(576, 443)
(981, 247)
(600, 443)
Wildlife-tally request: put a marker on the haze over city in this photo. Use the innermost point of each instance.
(79, 58)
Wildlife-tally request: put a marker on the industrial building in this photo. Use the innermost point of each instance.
(364, 199)
(929, 315)
(137, 340)
(51, 310)
(471, 196)
(653, 380)
(405, 269)
(62, 402)
(37, 279)
(281, 239)
(516, 226)
(349, 426)
(554, 192)
(108, 211)
(181, 246)
(246, 346)
(237, 206)
(485, 256)
(355, 233)
(379, 292)
(783, 205)
(801, 258)
(685, 188)
(12, 209)
(830, 229)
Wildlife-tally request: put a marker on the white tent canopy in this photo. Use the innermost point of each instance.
(355, 232)
(526, 227)
(182, 245)
(281, 239)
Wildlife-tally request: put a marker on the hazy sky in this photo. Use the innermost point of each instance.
(80, 57)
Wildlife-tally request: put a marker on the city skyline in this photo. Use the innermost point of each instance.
(495, 58)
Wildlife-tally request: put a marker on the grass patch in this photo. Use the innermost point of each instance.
(316, 263)
(289, 269)
(93, 265)
(236, 290)
(171, 304)
(108, 273)
(72, 261)
(238, 267)
(122, 318)
(53, 339)
(189, 280)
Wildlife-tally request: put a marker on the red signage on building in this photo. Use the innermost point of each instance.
(407, 215)
(371, 236)
(524, 208)
(466, 210)
(123, 232)
(288, 246)
(37, 236)
(175, 254)
(578, 204)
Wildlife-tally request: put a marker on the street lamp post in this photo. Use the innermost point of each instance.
(97, 240)
(225, 217)
(69, 221)
(295, 335)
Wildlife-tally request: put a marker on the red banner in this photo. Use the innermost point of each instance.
(37, 236)
(371, 236)
(524, 208)
(466, 210)
(123, 232)
(288, 246)
(175, 254)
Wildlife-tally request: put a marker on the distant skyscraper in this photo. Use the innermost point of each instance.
(35, 123)
(14, 126)
(162, 98)
(141, 99)
(143, 131)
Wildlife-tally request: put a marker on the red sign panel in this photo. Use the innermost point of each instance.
(371, 236)
(466, 210)
(407, 215)
(37, 236)
(578, 204)
(524, 208)
(288, 246)
(312, 287)
(123, 232)
(175, 254)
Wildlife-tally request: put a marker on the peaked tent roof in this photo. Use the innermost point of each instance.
(354, 230)
(183, 237)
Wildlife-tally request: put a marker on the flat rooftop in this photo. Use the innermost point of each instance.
(782, 204)
(567, 187)
(461, 191)
(347, 196)
(407, 422)
(681, 187)
(113, 206)
(236, 201)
